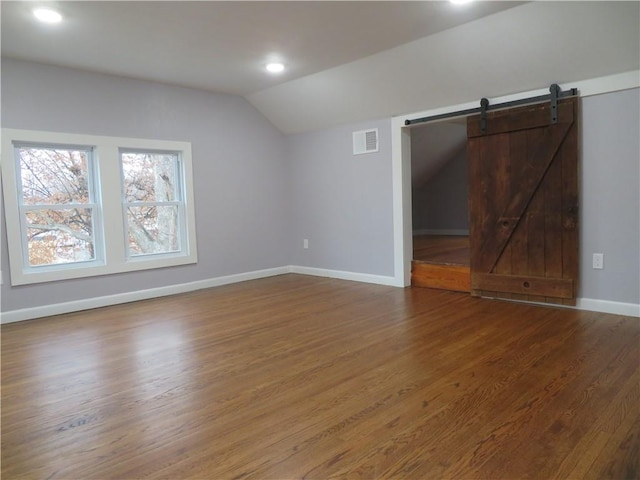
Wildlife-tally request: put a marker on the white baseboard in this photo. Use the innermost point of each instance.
(431, 231)
(97, 302)
(603, 306)
(342, 275)
(591, 305)
(606, 306)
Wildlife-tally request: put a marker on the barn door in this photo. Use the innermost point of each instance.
(523, 203)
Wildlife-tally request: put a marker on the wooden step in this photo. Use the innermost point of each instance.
(442, 276)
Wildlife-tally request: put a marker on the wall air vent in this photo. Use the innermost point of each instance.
(365, 141)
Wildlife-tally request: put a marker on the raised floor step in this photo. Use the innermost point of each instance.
(444, 277)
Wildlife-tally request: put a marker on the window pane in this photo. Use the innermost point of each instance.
(153, 229)
(149, 177)
(53, 176)
(59, 236)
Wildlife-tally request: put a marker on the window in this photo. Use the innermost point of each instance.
(57, 205)
(80, 205)
(152, 202)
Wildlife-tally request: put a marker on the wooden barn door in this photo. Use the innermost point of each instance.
(523, 203)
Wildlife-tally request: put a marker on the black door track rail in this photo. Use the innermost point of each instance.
(555, 93)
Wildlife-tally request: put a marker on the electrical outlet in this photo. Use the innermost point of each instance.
(305, 243)
(598, 261)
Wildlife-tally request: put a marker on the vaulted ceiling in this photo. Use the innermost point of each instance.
(346, 61)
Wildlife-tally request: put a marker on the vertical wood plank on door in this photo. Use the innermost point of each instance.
(536, 233)
(570, 214)
(502, 193)
(520, 152)
(552, 189)
(490, 154)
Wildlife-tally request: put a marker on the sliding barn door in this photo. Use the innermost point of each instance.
(523, 203)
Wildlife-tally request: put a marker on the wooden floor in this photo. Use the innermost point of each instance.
(441, 249)
(301, 377)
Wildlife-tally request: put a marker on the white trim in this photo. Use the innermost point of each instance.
(588, 305)
(97, 302)
(432, 231)
(608, 84)
(402, 221)
(342, 275)
(603, 306)
(401, 154)
(607, 306)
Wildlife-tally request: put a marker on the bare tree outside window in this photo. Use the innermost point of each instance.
(56, 204)
(151, 202)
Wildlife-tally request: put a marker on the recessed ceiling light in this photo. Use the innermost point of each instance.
(460, 2)
(275, 67)
(47, 15)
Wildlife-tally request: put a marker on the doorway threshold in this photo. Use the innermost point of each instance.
(442, 276)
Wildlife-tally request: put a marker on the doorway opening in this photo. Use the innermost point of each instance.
(440, 209)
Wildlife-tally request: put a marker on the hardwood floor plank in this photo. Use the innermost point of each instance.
(390, 417)
(303, 377)
(625, 406)
(620, 457)
(442, 249)
(538, 419)
(458, 425)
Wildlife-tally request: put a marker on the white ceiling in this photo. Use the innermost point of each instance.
(346, 61)
(524, 48)
(222, 46)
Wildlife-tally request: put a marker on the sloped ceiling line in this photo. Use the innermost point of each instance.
(434, 166)
(519, 49)
(433, 145)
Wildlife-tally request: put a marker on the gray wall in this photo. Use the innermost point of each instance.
(259, 194)
(442, 203)
(610, 215)
(240, 169)
(342, 202)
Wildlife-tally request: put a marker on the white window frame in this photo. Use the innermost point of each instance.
(107, 197)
